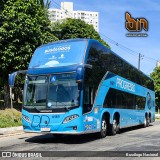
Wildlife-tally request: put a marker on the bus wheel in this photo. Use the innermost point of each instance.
(113, 127)
(146, 122)
(103, 131)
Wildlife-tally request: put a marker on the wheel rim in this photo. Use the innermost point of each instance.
(104, 127)
(145, 121)
(115, 125)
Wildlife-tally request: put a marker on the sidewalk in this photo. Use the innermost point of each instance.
(157, 115)
(11, 130)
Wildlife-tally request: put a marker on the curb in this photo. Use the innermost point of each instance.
(10, 130)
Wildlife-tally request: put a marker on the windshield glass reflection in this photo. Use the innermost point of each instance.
(49, 92)
(63, 90)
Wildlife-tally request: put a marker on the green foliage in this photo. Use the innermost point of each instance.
(156, 77)
(23, 27)
(10, 118)
(75, 28)
(45, 3)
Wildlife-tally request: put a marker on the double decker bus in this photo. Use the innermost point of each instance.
(80, 86)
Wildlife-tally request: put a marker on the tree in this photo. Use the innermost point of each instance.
(156, 77)
(23, 27)
(75, 28)
(45, 3)
(2, 3)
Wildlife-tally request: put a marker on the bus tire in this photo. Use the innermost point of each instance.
(146, 122)
(103, 131)
(113, 128)
(149, 120)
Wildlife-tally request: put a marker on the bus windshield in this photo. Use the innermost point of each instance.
(50, 92)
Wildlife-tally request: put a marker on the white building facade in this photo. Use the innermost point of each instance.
(67, 11)
(158, 64)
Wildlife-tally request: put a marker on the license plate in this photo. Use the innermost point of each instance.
(45, 129)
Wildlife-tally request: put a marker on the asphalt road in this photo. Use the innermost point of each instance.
(136, 139)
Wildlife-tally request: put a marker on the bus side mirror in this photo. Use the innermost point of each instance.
(13, 75)
(79, 77)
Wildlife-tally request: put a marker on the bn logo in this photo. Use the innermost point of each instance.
(135, 25)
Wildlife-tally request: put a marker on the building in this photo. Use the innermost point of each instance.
(67, 11)
(158, 64)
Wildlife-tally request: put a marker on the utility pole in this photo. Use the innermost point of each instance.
(139, 60)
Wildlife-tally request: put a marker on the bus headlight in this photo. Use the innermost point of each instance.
(26, 118)
(70, 118)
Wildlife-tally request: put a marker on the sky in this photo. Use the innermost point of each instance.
(112, 26)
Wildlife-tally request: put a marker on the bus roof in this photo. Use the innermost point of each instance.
(78, 43)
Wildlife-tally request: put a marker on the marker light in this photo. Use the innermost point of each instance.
(26, 118)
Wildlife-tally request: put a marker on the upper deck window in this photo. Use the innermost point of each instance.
(58, 54)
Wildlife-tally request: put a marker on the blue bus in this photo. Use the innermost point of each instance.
(79, 86)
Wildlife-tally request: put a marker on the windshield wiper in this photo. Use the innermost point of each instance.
(32, 105)
(36, 108)
(67, 108)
